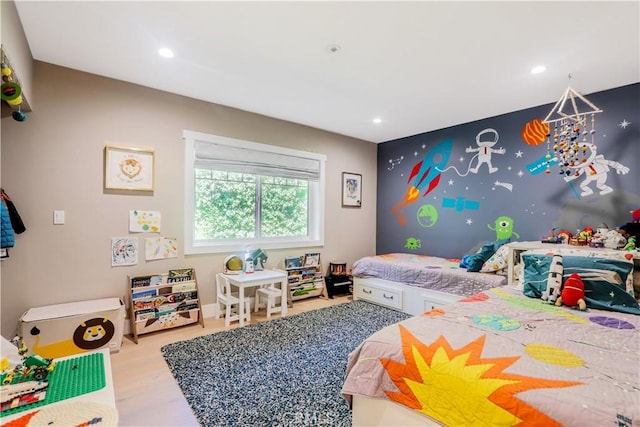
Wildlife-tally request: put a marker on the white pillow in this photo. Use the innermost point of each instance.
(497, 261)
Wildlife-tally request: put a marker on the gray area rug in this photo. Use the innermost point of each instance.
(284, 372)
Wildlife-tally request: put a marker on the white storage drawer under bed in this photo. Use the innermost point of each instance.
(379, 294)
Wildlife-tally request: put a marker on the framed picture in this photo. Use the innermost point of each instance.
(351, 190)
(128, 168)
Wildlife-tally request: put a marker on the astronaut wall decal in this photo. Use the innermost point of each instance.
(485, 150)
(594, 168)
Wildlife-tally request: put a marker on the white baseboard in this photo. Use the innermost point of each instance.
(210, 310)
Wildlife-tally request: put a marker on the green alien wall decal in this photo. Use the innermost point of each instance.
(504, 228)
(413, 243)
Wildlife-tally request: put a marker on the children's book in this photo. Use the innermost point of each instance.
(180, 275)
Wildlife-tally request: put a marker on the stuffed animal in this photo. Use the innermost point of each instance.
(631, 244)
(554, 281)
(614, 240)
(572, 294)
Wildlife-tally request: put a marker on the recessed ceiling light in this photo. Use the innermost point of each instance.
(538, 69)
(165, 52)
(377, 120)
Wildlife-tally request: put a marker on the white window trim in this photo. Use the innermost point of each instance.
(316, 200)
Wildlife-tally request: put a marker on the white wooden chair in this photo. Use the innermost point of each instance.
(230, 301)
(272, 295)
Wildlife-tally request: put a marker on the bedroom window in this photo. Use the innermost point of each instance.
(243, 195)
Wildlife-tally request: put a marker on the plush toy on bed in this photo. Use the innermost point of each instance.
(554, 281)
(572, 294)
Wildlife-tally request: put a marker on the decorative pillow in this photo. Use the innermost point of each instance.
(536, 272)
(497, 261)
(604, 280)
(475, 261)
(583, 251)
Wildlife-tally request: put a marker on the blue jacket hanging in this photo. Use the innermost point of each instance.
(14, 216)
(7, 238)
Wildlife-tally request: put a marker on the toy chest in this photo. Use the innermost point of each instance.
(61, 330)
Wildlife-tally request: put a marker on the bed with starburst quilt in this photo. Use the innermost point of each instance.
(500, 358)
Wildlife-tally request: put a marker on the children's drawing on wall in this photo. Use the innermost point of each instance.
(144, 221)
(413, 243)
(160, 248)
(425, 176)
(124, 251)
(503, 228)
(427, 216)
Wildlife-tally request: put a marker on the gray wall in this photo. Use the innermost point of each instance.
(460, 211)
(54, 160)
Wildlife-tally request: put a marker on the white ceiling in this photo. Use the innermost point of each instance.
(419, 66)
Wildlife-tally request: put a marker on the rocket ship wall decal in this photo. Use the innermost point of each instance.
(425, 175)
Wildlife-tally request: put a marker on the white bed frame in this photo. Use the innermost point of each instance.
(368, 411)
(410, 299)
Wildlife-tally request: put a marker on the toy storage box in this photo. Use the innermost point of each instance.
(61, 330)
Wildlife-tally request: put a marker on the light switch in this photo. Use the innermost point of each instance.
(58, 217)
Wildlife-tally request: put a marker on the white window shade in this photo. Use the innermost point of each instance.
(212, 155)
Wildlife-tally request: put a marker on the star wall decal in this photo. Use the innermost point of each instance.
(469, 221)
(451, 182)
(519, 153)
(520, 174)
(624, 123)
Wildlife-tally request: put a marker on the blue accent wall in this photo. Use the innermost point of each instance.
(446, 192)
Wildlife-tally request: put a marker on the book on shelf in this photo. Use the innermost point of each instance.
(311, 259)
(165, 291)
(150, 280)
(151, 302)
(187, 307)
(166, 309)
(183, 287)
(145, 314)
(180, 275)
(144, 294)
(178, 297)
(292, 262)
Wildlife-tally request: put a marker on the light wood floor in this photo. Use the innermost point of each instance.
(146, 392)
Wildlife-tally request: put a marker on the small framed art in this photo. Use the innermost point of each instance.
(128, 168)
(351, 190)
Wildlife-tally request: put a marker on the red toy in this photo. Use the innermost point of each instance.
(572, 294)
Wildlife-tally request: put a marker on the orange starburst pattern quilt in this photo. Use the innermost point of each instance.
(502, 359)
